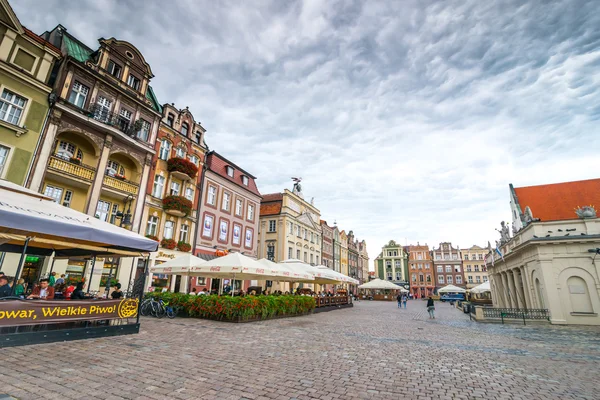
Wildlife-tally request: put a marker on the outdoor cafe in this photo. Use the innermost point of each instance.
(31, 223)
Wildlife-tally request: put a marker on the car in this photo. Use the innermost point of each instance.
(452, 297)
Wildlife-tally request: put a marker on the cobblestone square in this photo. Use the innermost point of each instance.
(371, 351)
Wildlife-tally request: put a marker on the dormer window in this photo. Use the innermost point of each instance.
(184, 129)
(198, 137)
(133, 82)
(114, 69)
(245, 180)
(170, 119)
(229, 171)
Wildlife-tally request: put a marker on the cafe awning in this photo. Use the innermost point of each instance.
(451, 289)
(381, 284)
(53, 227)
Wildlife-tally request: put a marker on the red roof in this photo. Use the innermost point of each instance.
(41, 40)
(272, 208)
(217, 164)
(558, 201)
(272, 197)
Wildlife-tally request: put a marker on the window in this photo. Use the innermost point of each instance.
(428, 278)
(414, 277)
(397, 264)
(113, 214)
(245, 180)
(114, 69)
(168, 232)
(198, 137)
(446, 256)
(457, 268)
(103, 107)
(189, 194)
(175, 187)
(468, 268)
(427, 266)
(184, 129)
(459, 279)
(170, 119)
(466, 256)
(448, 268)
(54, 192)
(194, 159)
(305, 256)
(389, 276)
(298, 230)
(419, 256)
(226, 201)
(470, 278)
(272, 225)
(124, 119)
(290, 253)
(454, 256)
(398, 277)
(476, 268)
(271, 252)
(152, 226)
(480, 256)
(144, 132)
(485, 278)
(183, 233)
(478, 278)
(483, 268)
(311, 259)
(180, 152)
(78, 94)
(114, 168)
(65, 150)
(438, 257)
(212, 195)
(298, 254)
(102, 210)
(317, 260)
(68, 198)
(449, 278)
(165, 150)
(251, 212)
(239, 204)
(133, 82)
(305, 232)
(421, 278)
(157, 188)
(441, 279)
(3, 157)
(11, 107)
(229, 171)
(388, 264)
(412, 266)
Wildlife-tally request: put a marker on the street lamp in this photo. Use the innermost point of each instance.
(125, 217)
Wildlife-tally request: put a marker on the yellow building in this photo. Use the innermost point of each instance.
(474, 266)
(344, 253)
(289, 228)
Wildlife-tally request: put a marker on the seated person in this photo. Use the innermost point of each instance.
(117, 293)
(69, 291)
(78, 293)
(42, 291)
(5, 289)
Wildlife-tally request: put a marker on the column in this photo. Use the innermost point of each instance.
(139, 207)
(506, 290)
(495, 289)
(99, 178)
(45, 65)
(183, 286)
(524, 288)
(518, 295)
(513, 292)
(529, 294)
(7, 44)
(173, 280)
(41, 161)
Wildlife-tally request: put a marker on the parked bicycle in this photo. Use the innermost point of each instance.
(157, 308)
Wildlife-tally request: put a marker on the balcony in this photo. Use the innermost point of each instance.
(182, 169)
(121, 184)
(72, 168)
(178, 206)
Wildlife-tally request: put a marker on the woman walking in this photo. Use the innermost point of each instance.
(430, 308)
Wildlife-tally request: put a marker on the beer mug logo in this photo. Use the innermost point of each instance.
(128, 308)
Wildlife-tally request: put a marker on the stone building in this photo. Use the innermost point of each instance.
(363, 262)
(551, 262)
(229, 211)
(448, 268)
(475, 270)
(392, 264)
(26, 81)
(422, 277)
(327, 245)
(173, 191)
(352, 256)
(344, 253)
(98, 145)
(337, 249)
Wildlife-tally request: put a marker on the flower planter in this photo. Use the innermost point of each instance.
(74, 160)
(182, 169)
(183, 246)
(177, 205)
(168, 244)
(152, 237)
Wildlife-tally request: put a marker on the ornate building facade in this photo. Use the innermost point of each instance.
(475, 270)
(173, 191)
(344, 253)
(327, 245)
(363, 262)
(337, 249)
(551, 260)
(448, 268)
(422, 277)
(392, 264)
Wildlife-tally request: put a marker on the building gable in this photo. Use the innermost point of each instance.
(9, 18)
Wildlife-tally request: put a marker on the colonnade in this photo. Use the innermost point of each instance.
(512, 288)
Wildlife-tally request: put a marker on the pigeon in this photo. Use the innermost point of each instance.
(535, 236)
(571, 230)
(567, 234)
(560, 230)
(548, 235)
(549, 231)
(583, 233)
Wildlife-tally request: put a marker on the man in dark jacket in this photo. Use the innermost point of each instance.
(430, 308)
(5, 289)
(399, 300)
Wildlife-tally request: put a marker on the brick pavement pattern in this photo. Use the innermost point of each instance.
(371, 351)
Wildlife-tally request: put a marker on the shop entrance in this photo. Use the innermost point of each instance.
(32, 270)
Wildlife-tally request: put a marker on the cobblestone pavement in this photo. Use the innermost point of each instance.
(371, 351)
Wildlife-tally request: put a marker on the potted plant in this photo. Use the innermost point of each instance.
(75, 160)
(178, 203)
(120, 177)
(183, 246)
(182, 165)
(152, 237)
(168, 244)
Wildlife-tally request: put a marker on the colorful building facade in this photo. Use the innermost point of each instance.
(422, 277)
(392, 264)
(448, 267)
(475, 270)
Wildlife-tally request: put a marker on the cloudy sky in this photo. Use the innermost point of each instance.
(406, 120)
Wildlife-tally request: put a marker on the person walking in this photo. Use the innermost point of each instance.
(399, 300)
(404, 299)
(430, 308)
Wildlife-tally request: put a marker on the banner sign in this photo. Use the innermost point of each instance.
(33, 312)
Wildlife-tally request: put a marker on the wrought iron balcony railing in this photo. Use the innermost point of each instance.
(116, 120)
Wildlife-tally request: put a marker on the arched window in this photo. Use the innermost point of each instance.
(579, 295)
(165, 150)
(113, 168)
(65, 150)
(184, 129)
(180, 152)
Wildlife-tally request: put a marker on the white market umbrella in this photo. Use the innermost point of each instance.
(237, 265)
(320, 276)
(181, 265)
(484, 287)
(343, 277)
(451, 289)
(381, 284)
(289, 274)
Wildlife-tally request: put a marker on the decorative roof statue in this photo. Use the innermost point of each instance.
(586, 212)
(312, 201)
(297, 190)
(527, 215)
(514, 229)
(504, 234)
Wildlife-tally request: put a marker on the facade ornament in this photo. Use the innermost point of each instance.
(514, 229)
(504, 233)
(312, 201)
(297, 190)
(528, 215)
(586, 212)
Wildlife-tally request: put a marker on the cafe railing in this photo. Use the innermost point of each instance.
(329, 301)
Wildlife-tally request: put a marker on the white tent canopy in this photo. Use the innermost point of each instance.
(484, 287)
(451, 289)
(181, 265)
(238, 266)
(288, 273)
(381, 284)
(320, 276)
(341, 276)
